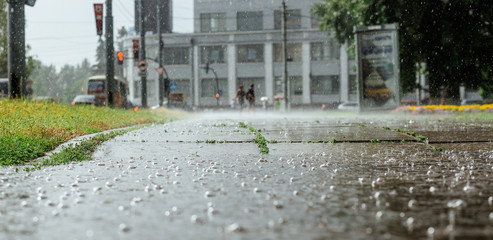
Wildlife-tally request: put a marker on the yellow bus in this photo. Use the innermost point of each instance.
(96, 85)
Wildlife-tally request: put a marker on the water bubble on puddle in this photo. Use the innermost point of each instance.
(490, 201)
(124, 228)
(50, 204)
(411, 190)
(430, 231)
(209, 194)
(41, 197)
(412, 203)
(324, 197)
(296, 193)
(379, 215)
(62, 205)
(235, 228)
(362, 181)
(456, 204)
(378, 195)
(25, 204)
(211, 211)
(176, 182)
(196, 220)
(243, 184)
(278, 204)
(433, 190)
(96, 189)
(468, 188)
(257, 190)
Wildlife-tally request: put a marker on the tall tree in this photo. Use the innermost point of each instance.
(453, 37)
(100, 66)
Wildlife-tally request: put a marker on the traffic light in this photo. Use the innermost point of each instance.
(119, 57)
(218, 95)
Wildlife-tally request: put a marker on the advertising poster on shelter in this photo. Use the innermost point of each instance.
(378, 67)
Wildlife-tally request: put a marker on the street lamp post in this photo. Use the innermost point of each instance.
(17, 47)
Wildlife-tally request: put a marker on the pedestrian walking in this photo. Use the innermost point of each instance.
(240, 97)
(250, 95)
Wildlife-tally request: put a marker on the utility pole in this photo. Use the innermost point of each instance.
(110, 55)
(142, 53)
(160, 55)
(285, 60)
(16, 49)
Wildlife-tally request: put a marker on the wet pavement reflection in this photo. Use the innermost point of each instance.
(173, 181)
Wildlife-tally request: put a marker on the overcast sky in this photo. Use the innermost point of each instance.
(64, 31)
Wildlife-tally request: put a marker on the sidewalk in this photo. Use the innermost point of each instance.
(325, 177)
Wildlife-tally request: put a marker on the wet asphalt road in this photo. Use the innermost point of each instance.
(325, 177)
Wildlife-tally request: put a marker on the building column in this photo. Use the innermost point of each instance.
(344, 73)
(305, 53)
(269, 71)
(231, 69)
(196, 75)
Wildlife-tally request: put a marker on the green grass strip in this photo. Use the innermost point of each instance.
(77, 152)
(259, 139)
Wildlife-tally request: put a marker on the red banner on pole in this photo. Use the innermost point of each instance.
(135, 46)
(98, 12)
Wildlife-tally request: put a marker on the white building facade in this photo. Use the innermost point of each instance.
(241, 40)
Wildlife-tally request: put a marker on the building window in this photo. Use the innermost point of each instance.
(325, 85)
(180, 86)
(213, 54)
(293, 49)
(353, 84)
(250, 53)
(293, 19)
(213, 22)
(176, 56)
(208, 87)
(259, 86)
(249, 21)
(315, 21)
(137, 89)
(323, 51)
(296, 85)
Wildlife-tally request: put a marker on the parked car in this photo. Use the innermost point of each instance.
(471, 102)
(348, 106)
(85, 100)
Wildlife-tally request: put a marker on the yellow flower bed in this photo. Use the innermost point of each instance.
(446, 108)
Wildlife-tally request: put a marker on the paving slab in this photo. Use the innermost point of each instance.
(159, 182)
